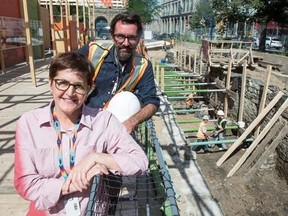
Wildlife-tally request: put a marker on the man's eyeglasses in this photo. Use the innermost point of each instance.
(120, 38)
(63, 85)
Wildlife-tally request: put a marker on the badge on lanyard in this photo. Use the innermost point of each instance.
(72, 207)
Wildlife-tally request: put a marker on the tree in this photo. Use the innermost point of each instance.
(260, 11)
(146, 9)
(231, 11)
(203, 16)
(269, 10)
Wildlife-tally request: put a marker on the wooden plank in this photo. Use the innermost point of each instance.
(256, 121)
(270, 149)
(227, 86)
(259, 138)
(29, 43)
(264, 95)
(162, 80)
(259, 150)
(243, 90)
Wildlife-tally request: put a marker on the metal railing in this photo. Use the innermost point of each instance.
(149, 194)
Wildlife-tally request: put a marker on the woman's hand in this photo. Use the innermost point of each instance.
(83, 172)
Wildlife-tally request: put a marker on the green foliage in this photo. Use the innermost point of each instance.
(271, 10)
(203, 14)
(231, 10)
(261, 11)
(146, 9)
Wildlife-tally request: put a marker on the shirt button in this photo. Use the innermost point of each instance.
(113, 81)
(109, 93)
(103, 103)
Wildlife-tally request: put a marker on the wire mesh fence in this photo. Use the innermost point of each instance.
(148, 194)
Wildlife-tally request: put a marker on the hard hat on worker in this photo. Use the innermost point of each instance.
(205, 117)
(220, 113)
(124, 105)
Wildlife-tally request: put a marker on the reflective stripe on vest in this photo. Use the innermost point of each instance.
(220, 123)
(97, 56)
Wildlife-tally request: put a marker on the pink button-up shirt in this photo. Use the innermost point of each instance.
(37, 174)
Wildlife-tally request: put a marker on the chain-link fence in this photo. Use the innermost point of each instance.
(149, 194)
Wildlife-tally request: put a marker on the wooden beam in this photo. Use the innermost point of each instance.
(259, 138)
(269, 150)
(256, 121)
(67, 26)
(259, 150)
(162, 80)
(243, 90)
(228, 80)
(52, 28)
(84, 15)
(77, 22)
(264, 95)
(29, 42)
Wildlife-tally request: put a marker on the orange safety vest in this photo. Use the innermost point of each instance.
(97, 55)
(200, 133)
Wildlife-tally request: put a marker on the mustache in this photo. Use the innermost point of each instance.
(126, 47)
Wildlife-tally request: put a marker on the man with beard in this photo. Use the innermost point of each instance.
(120, 68)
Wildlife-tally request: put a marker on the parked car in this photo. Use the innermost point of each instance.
(162, 36)
(104, 33)
(273, 42)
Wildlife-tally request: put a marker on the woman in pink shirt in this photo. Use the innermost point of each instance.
(59, 148)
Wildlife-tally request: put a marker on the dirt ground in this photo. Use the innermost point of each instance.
(263, 193)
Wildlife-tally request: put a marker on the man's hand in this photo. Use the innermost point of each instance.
(130, 125)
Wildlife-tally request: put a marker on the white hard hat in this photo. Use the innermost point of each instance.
(220, 113)
(123, 105)
(205, 117)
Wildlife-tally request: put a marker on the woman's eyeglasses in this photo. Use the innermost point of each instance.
(63, 85)
(120, 38)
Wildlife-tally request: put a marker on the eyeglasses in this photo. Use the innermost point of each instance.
(63, 85)
(120, 38)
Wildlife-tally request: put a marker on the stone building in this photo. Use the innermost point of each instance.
(175, 15)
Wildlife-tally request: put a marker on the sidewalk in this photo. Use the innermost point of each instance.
(18, 95)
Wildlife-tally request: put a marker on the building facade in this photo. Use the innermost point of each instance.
(97, 3)
(175, 15)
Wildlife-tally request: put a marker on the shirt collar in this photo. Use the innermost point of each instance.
(86, 117)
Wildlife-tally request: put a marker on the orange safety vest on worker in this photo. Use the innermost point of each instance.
(97, 56)
(172, 42)
(201, 131)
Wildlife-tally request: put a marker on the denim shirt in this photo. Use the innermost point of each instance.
(111, 72)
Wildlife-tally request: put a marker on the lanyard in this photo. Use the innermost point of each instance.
(59, 144)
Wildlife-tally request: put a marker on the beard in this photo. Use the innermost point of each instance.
(124, 53)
